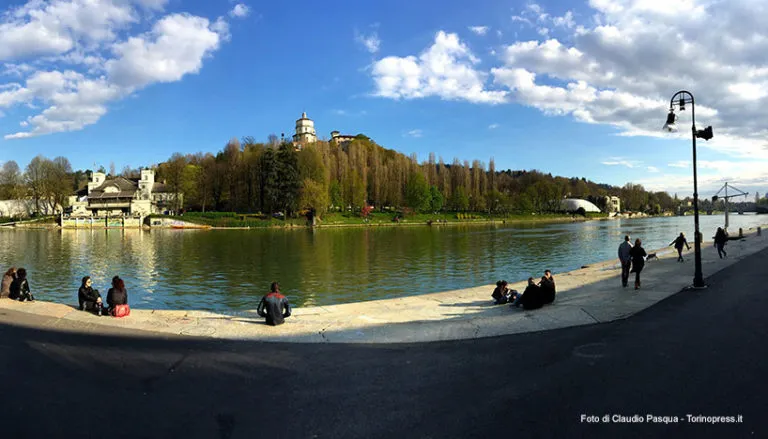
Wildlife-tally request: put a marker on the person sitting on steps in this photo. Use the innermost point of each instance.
(20, 287)
(89, 298)
(274, 306)
(531, 297)
(117, 295)
(547, 285)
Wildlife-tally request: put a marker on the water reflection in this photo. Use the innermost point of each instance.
(225, 270)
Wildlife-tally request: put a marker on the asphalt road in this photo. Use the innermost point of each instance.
(696, 353)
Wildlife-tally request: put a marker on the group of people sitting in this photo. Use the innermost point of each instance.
(535, 295)
(90, 299)
(15, 286)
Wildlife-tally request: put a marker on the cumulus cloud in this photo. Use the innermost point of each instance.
(240, 11)
(370, 42)
(445, 70)
(74, 63)
(414, 133)
(479, 30)
(618, 65)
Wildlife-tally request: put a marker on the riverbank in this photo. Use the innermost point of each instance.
(585, 296)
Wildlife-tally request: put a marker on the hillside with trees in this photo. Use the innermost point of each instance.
(249, 177)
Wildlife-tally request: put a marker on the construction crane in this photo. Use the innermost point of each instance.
(726, 197)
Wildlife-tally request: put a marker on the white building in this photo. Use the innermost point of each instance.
(305, 131)
(121, 196)
(612, 203)
(573, 204)
(341, 139)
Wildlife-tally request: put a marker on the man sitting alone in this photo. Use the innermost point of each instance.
(274, 306)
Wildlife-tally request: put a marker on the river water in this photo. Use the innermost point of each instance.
(229, 270)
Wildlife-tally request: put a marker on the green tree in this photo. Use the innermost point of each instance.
(289, 182)
(417, 193)
(334, 192)
(460, 199)
(436, 199)
(314, 196)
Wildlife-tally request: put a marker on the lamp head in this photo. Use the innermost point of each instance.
(670, 126)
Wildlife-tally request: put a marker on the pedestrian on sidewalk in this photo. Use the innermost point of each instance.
(625, 259)
(274, 306)
(679, 242)
(638, 260)
(721, 238)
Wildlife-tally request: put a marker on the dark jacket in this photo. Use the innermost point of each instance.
(19, 289)
(721, 237)
(498, 294)
(532, 297)
(680, 242)
(637, 253)
(275, 307)
(87, 294)
(117, 297)
(547, 286)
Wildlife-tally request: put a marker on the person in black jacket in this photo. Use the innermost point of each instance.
(721, 238)
(679, 242)
(20, 287)
(638, 260)
(531, 297)
(274, 306)
(117, 295)
(547, 285)
(89, 298)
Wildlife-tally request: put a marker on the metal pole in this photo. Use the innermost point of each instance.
(698, 277)
(726, 207)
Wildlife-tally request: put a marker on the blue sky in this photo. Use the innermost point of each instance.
(575, 89)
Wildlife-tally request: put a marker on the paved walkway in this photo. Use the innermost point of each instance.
(585, 296)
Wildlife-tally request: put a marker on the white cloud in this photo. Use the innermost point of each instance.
(240, 11)
(493, 126)
(445, 70)
(479, 30)
(653, 169)
(83, 66)
(680, 164)
(414, 133)
(370, 42)
(620, 161)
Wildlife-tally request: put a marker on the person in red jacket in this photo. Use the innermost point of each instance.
(274, 306)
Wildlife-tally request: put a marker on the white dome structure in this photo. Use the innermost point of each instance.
(305, 130)
(573, 204)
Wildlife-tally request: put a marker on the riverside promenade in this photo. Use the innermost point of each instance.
(586, 296)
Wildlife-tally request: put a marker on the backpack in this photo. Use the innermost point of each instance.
(121, 311)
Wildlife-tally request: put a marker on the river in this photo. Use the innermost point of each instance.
(229, 270)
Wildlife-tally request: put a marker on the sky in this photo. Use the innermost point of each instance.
(573, 88)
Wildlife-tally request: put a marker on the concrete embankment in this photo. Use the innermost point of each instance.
(586, 296)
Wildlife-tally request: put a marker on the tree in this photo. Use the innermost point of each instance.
(35, 177)
(314, 196)
(11, 181)
(436, 199)
(334, 192)
(460, 200)
(417, 193)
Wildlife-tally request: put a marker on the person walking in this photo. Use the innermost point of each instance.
(274, 306)
(8, 277)
(638, 260)
(679, 242)
(625, 259)
(721, 238)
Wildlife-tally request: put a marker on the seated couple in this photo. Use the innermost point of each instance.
(536, 296)
(502, 294)
(90, 299)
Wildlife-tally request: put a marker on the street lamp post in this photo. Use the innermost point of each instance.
(681, 99)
